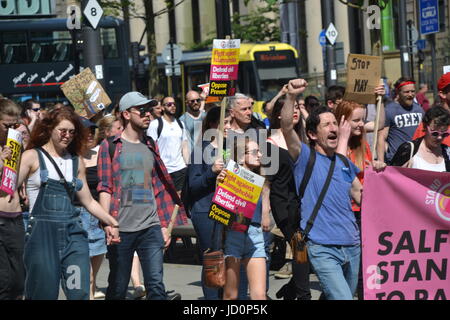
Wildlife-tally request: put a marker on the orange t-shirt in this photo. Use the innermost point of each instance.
(420, 132)
(367, 156)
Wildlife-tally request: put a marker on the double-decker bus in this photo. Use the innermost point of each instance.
(263, 69)
(37, 56)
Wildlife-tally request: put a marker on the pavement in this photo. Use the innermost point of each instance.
(182, 274)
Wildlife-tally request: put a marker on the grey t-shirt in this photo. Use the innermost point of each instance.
(193, 127)
(137, 206)
(402, 124)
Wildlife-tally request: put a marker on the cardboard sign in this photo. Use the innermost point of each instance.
(363, 76)
(224, 67)
(406, 235)
(86, 94)
(11, 166)
(235, 199)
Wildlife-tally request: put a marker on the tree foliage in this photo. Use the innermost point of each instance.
(263, 24)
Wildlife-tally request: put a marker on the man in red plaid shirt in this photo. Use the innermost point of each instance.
(137, 190)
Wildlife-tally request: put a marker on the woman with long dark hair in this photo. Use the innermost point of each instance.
(202, 173)
(56, 248)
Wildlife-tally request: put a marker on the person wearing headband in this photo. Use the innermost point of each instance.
(403, 116)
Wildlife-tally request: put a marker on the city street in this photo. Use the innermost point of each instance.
(185, 278)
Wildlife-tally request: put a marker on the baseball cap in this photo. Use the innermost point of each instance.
(134, 99)
(87, 123)
(444, 81)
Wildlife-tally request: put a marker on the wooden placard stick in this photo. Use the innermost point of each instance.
(376, 126)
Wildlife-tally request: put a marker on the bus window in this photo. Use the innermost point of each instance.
(14, 47)
(50, 46)
(109, 43)
(272, 79)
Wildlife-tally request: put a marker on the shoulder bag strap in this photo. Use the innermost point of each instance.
(62, 179)
(320, 200)
(308, 172)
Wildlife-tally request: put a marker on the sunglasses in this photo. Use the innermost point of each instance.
(11, 125)
(144, 110)
(435, 133)
(195, 100)
(169, 104)
(36, 109)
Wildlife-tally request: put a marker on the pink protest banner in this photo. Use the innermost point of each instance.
(406, 235)
(11, 165)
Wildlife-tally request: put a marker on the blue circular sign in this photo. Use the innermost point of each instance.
(322, 38)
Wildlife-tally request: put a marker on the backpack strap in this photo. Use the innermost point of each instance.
(446, 155)
(304, 183)
(160, 127)
(343, 159)
(180, 123)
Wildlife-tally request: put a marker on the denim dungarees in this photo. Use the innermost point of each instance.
(56, 245)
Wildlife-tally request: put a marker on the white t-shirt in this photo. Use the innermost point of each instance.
(169, 143)
(420, 163)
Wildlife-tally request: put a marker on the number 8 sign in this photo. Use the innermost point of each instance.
(93, 13)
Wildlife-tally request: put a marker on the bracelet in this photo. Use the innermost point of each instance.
(116, 226)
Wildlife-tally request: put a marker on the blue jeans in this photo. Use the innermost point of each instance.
(203, 227)
(337, 268)
(148, 244)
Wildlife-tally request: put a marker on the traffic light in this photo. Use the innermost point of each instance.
(138, 60)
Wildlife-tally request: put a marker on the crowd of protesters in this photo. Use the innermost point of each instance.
(89, 189)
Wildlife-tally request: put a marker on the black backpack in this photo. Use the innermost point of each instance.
(161, 124)
(404, 153)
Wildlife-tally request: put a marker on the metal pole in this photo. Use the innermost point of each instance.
(404, 54)
(92, 49)
(223, 20)
(433, 64)
(411, 47)
(327, 18)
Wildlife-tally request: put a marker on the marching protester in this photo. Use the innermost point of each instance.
(193, 116)
(136, 188)
(283, 198)
(170, 135)
(334, 95)
(246, 248)
(403, 116)
(428, 152)
(444, 95)
(202, 185)
(353, 144)
(31, 113)
(57, 246)
(96, 236)
(12, 233)
(332, 235)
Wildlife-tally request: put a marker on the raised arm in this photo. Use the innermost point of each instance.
(295, 87)
(271, 104)
(381, 143)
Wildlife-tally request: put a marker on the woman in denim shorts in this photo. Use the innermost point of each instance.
(246, 248)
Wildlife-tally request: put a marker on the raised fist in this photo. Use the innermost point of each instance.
(297, 86)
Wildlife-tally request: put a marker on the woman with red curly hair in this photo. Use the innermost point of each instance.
(56, 245)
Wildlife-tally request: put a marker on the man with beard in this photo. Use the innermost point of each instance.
(170, 134)
(136, 189)
(193, 117)
(403, 116)
(333, 241)
(12, 233)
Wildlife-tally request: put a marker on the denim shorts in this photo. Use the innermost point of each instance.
(96, 236)
(243, 245)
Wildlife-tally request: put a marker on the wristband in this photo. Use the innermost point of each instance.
(116, 226)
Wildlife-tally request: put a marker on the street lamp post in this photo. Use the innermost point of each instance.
(403, 37)
(327, 18)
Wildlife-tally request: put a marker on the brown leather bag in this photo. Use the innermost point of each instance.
(214, 268)
(298, 246)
